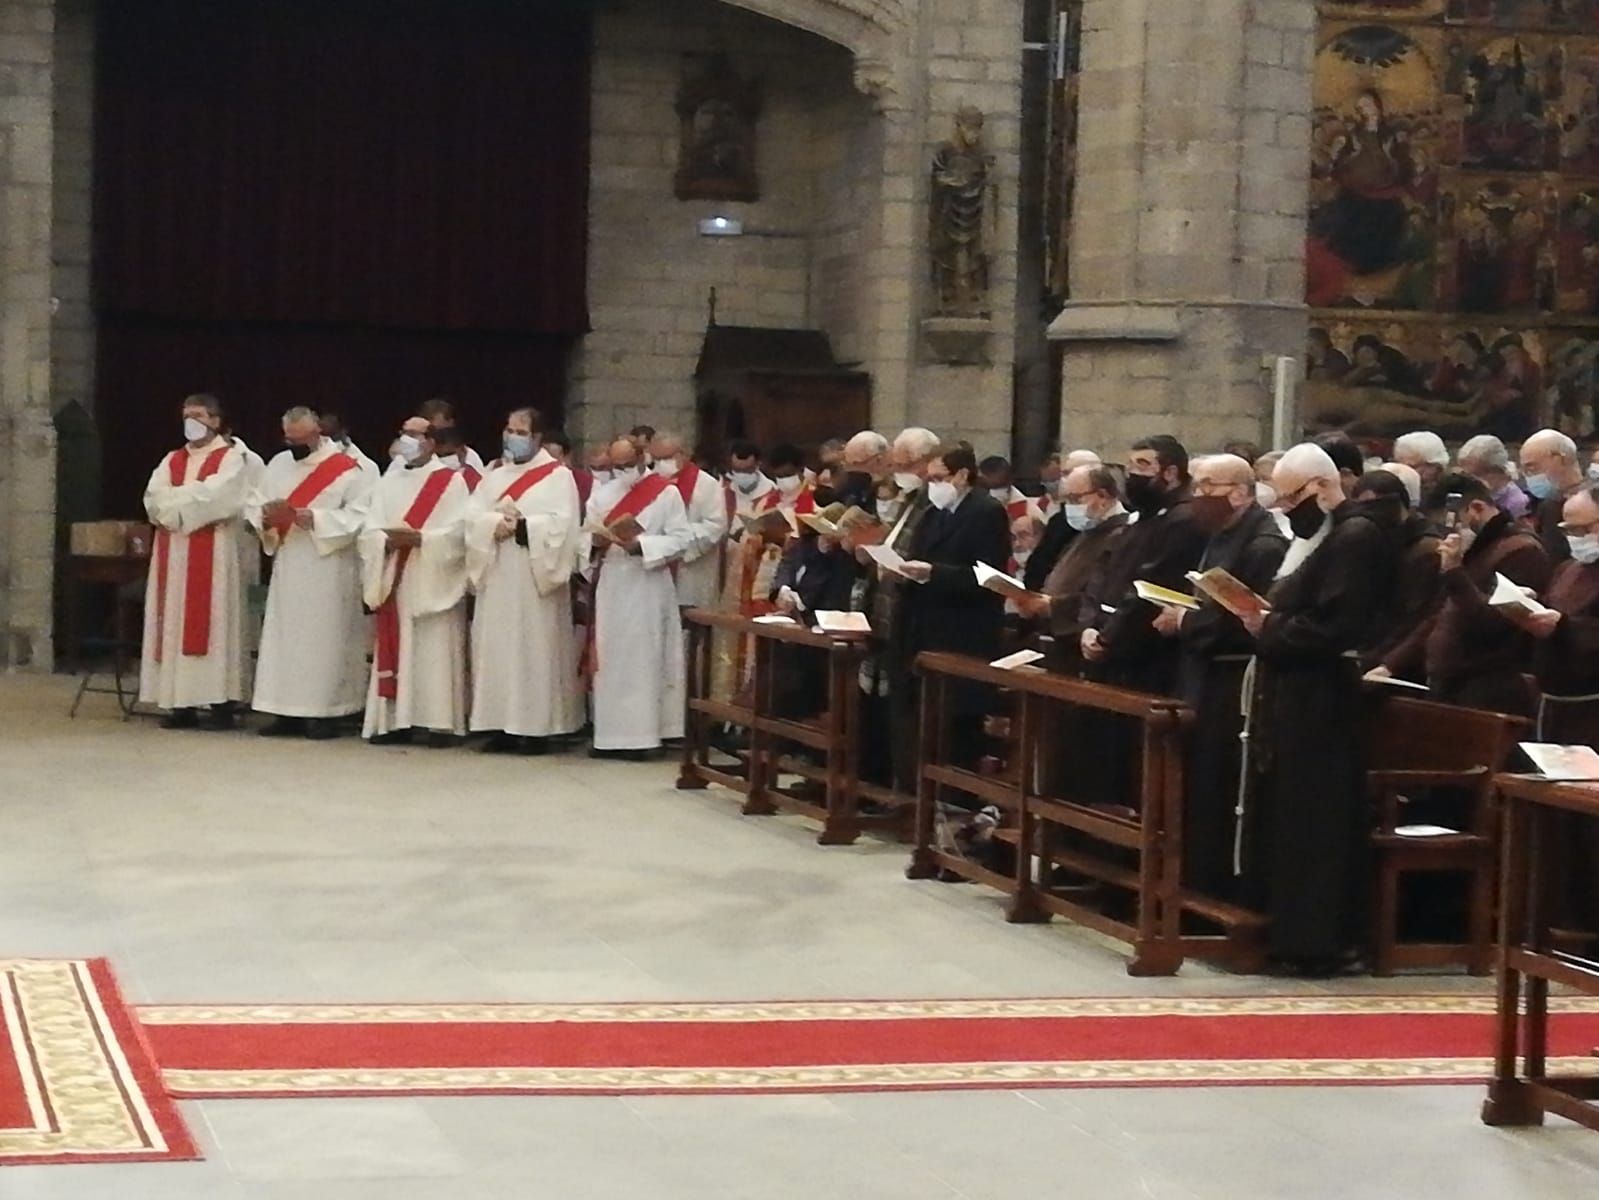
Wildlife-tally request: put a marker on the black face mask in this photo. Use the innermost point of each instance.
(1305, 518)
(300, 452)
(1211, 513)
(1145, 493)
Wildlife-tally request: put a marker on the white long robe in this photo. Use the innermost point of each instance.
(524, 676)
(219, 676)
(638, 681)
(432, 605)
(315, 638)
(699, 572)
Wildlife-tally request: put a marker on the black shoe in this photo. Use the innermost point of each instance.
(181, 718)
(499, 743)
(399, 737)
(283, 727)
(321, 729)
(623, 755)
(443, 741)
(532, 747)
(222, 718)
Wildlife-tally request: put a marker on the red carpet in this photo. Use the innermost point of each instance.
(832, 1046)
(77, 1083)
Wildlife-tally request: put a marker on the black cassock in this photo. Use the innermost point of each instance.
(1216, 649)
(1308, 823)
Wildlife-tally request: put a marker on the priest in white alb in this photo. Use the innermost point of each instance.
(413, 578)
(523, 544)
(194, 612)
(699, 570)
(640, 530)
(309, 509)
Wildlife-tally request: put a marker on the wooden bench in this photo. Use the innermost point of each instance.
(1124, 859)
(784, 744)
(1414, 744)
(1532, 812)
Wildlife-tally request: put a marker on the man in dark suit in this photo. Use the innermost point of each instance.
(945, 608)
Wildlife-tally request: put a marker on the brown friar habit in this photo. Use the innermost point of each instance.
(1307, 825)
(1568, 671)
(1476, 655)
(1416, 596)
(1216, 649)
(1076, 584)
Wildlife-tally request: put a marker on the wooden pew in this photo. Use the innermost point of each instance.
(830, 791)
(1415, 744)
(1131, 851)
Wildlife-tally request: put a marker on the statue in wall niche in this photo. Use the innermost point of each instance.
(717, 111)
(961, 180)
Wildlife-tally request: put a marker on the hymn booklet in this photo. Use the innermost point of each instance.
(1227, 590)
(1567, 764)
(997, 581)
(1163, 597)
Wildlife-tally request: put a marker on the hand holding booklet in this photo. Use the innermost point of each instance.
(1513, 601)
(887, 558)
(997, 581)
(1163, 597)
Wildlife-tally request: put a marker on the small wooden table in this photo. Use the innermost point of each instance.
(1532, 807)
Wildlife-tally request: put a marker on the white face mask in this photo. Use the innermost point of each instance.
(906, 481)
(601, 474)
(627, 474)
(1584, 547)
(1021, 557)
(195, 430)
(887, 511)
(1593, 471)
(745, 481)
(1265, 495)
(941, 493)
(789, 485)
(409, 448)
(1000, 494)
(666, 468)
(1077, 517)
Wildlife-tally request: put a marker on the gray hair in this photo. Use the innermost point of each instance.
(1425, 445)
(917, 442)
(868, 442)
(1487, 450)
(301, 415)
(1558, 443)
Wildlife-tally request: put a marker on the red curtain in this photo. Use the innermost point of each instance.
(357, 203)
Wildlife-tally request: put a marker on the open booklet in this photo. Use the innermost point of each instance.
(1227, 590)
(1513, 600)
(1571, 764)
(889, 559)
(1164, 597)
(833, 621)
(837, 519)
(997, 581)
(1022, 658)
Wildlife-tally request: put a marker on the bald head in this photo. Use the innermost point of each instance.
(1408, 476)
(1550, 461)
(624, 453)
(1223, 470)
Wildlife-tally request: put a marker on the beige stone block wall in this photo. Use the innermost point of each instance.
(27, 440)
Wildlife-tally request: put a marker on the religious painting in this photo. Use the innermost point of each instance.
(1453, 242)
(1373, 170)
(717, 111)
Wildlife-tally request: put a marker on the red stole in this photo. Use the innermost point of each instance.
(639, 497)
(201, 568)
(472, 476)
(313, 485)
(685, 480)
(804, 503)
(1017, 509)
(527, 482)
(386, 652)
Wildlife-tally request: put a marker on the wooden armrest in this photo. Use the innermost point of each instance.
(1407, 778)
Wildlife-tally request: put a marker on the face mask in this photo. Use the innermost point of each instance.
(1144, 493)
(300, 453)
(666, 468)
(1593, 471)
(627, 474)
(1584, 547)
(745, 481)
(195, 431)
(1021, 557)
(941, 494)
(1305, 518)
(1541, 486)
(518, 447)
(789, 485)
(905, 481)
(1265, 495)
(1211, 513)
(1077, 517)
(1000, 494)
(409, 449)
(887, 511)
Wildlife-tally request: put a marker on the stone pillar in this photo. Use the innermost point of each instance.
(1189, 225)
(27, 439)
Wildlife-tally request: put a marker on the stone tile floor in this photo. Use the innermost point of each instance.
(225, 868)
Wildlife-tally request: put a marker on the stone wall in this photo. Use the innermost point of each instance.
(72, 331)
(27, 443)
(1188, 230)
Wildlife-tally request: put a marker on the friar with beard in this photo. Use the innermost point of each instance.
(1307, 821)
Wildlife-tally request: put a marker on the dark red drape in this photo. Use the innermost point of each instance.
(350, 202)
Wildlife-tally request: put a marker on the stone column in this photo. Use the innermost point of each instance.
(27, 439)
(1188, 232)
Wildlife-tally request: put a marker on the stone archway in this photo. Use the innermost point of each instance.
(869, 29)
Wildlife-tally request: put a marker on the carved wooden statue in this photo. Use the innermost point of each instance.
(960, 208)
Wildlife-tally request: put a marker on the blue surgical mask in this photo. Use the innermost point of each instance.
(1593, 471)
(1584, 547)
(1077, 517)
(1541, 486)
(518, 447)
